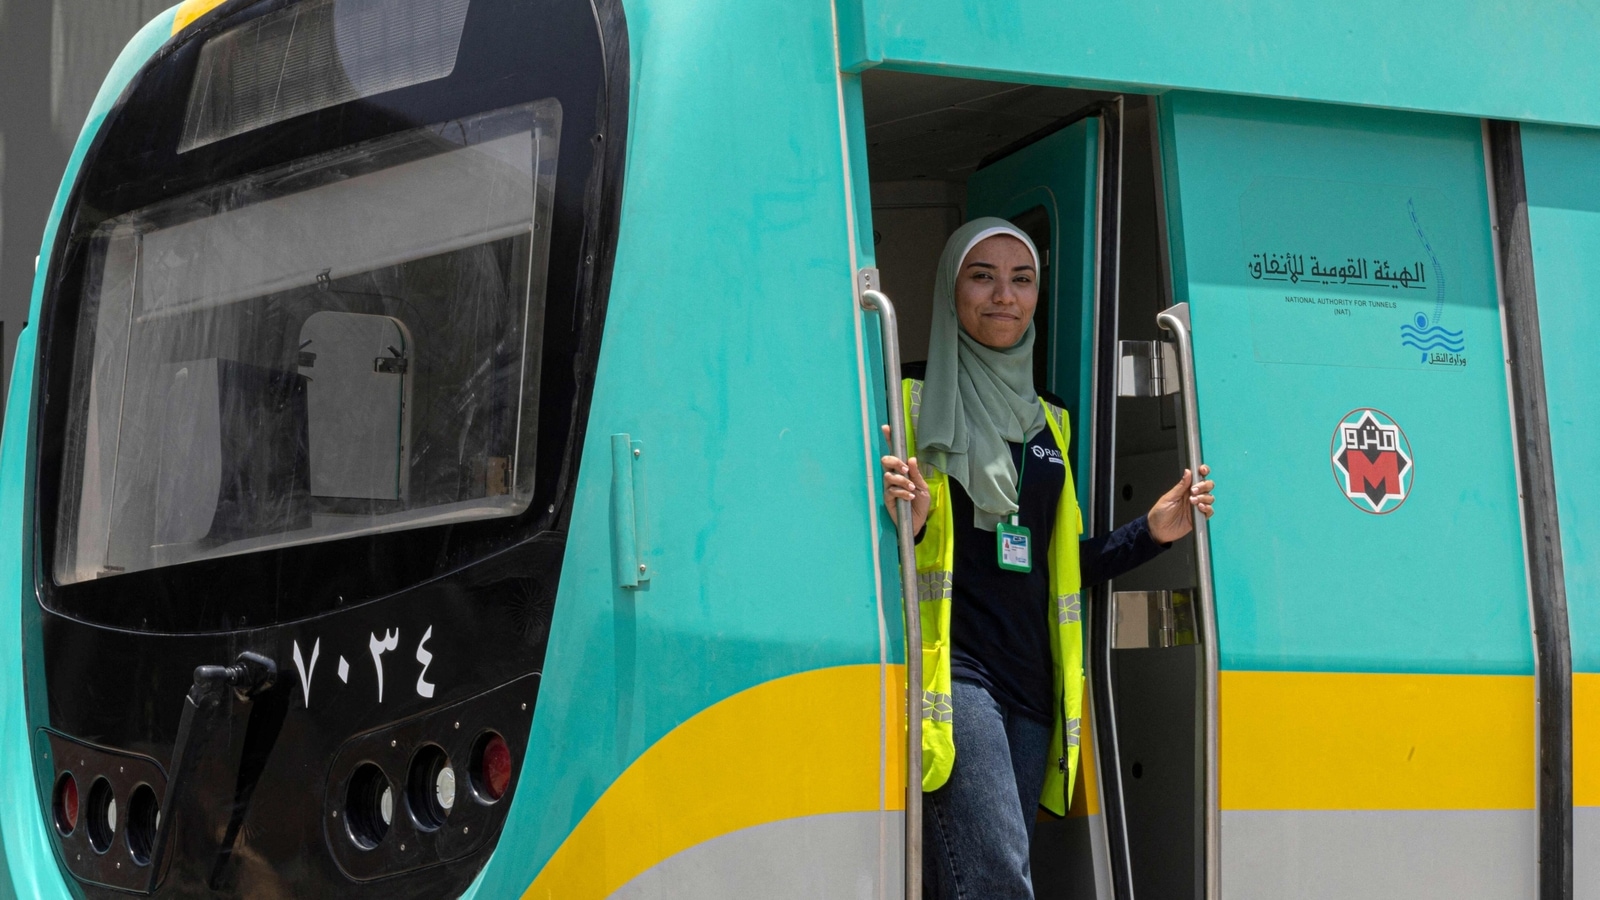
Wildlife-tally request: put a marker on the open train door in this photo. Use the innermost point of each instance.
(1375, 659)
(1061, 185)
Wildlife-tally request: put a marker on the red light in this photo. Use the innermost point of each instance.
(494, 766)
(66, 804)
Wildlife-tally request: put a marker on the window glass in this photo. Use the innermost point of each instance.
(315, 55)
(344, 345)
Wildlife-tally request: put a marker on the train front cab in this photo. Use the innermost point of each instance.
(658, 572)
(317, 315)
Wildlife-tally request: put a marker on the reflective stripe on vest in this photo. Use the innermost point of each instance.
(1068, 609)
(932, 586)
(935, 573)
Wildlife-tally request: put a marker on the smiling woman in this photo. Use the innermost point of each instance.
(1001, 663)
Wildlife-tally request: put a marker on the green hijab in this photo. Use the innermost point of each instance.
(976, 399)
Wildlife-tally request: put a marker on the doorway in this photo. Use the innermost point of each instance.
(1076, 170)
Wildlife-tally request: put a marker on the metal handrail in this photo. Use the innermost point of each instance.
(1176, 320)
(875, 300)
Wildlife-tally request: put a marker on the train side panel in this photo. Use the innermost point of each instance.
(718, 731)
(1372, 607)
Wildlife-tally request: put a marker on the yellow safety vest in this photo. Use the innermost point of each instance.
(935, 577)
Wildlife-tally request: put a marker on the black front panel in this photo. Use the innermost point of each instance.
(275, 761)
(385, 644)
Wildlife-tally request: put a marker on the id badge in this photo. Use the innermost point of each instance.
(1014, 547)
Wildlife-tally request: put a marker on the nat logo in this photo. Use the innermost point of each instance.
(1372, 461)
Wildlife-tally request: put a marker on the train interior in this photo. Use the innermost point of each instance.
(933, 144)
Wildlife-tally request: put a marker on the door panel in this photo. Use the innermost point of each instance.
(1562, 171)
(1371, 599)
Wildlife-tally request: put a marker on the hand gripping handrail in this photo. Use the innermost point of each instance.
(1176, 320)
(875, 300)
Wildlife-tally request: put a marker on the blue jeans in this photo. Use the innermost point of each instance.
(977, 827)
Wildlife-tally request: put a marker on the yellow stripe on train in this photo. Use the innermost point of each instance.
(1585, 739)
(1316, 740)
(803, 745)
(1290, 740)
(189, 10)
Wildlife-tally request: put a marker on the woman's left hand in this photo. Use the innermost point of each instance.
(1171, 517)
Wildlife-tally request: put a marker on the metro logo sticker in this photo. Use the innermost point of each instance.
(1372, 461)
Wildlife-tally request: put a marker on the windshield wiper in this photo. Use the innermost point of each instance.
(203, 768)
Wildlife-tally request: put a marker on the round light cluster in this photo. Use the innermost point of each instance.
(98, 815)
(432, 789)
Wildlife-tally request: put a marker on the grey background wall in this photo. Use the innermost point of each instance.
(53, 56)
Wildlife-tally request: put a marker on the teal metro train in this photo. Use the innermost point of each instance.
(442, 456)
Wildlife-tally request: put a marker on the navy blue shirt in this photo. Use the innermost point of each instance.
(999, 619)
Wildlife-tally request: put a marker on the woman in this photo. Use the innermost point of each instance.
(999, 568)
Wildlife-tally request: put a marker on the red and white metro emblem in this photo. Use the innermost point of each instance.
(1372, 461)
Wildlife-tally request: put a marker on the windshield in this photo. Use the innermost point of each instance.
(344, 345)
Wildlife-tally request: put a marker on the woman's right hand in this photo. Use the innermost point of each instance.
(902, 480)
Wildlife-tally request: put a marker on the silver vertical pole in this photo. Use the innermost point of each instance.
(1176, 320)
(875, 300)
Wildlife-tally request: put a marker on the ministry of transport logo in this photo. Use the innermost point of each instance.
(1372, 461)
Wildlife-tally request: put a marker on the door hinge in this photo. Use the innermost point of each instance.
(1147, 369)
(867, 280)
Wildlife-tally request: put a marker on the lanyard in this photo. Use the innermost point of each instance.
(1013, 544)
(1016, 516)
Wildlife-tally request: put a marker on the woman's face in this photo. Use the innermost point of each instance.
(996, 291)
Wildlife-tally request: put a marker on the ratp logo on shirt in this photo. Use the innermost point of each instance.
(1046, 453)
